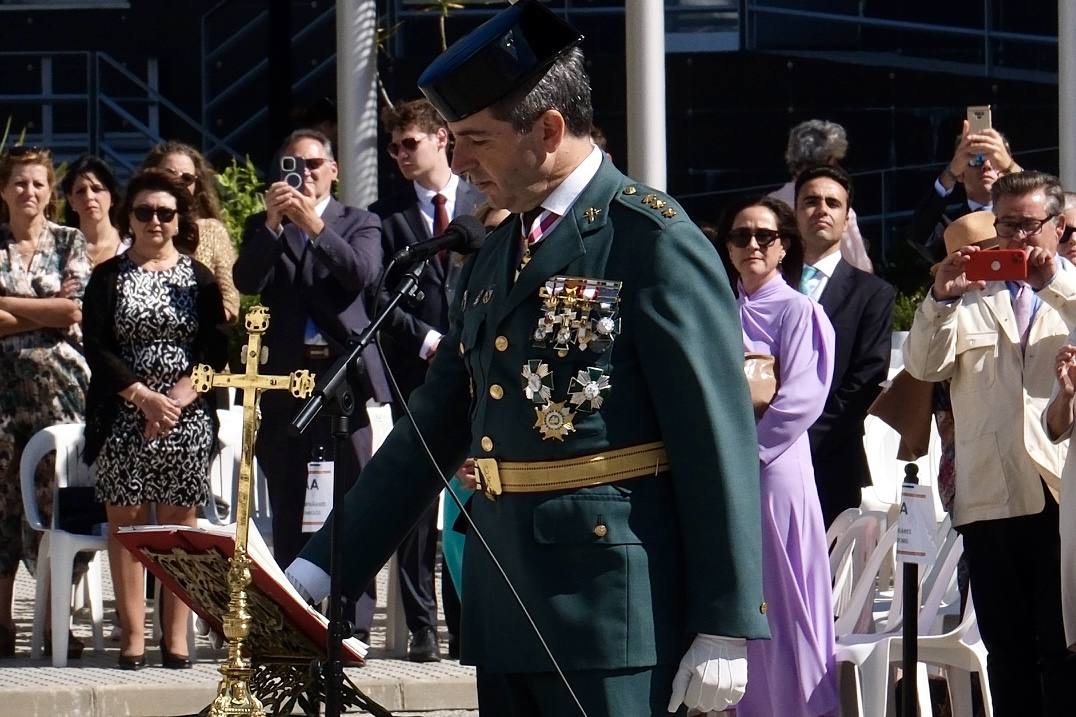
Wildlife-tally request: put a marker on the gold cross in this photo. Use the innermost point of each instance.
(233, 693)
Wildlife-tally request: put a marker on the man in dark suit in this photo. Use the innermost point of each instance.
(436, 195)
(311, 258)
(860, 306)
(620, 472)
(962, 187)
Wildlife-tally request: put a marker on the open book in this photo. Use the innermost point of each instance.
(193, 563)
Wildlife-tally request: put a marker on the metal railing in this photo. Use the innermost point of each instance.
(120, 111)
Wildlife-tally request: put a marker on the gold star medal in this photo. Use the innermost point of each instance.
(537, 381)
(554, 421)
(589, 389)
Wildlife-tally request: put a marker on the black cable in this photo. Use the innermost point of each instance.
(463, 510)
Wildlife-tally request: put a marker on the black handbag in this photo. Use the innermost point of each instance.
(77, 511)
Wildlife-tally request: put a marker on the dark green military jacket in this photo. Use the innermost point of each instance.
(656, 354)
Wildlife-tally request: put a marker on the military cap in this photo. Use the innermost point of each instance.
(511, 50)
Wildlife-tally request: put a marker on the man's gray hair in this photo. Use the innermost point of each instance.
(1070, 200)
(307, 133)
(815, 142)
(1018, 184)
(565, 87)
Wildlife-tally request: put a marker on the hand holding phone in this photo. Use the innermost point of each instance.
(997, 265)
(979, 118)
(293, 171)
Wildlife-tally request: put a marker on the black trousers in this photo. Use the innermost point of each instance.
(283, 459)
(840, 478)
(1015, 570)
(416, 558)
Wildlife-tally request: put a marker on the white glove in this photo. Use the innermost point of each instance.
(712, 676)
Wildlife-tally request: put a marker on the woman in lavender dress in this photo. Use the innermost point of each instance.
(793, 673)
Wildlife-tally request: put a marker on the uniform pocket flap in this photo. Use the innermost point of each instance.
(975, 340)
(472, 328)
(581, 519)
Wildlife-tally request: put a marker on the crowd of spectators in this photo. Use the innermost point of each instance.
(114, 351)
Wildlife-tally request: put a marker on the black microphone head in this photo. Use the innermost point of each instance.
(472, 233)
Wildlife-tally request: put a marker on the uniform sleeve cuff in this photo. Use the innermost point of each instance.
(429, 344)
(313, 579)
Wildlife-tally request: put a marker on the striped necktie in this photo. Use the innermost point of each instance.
(536, 234)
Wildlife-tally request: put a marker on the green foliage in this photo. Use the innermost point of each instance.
(904, 310)
(241, 195)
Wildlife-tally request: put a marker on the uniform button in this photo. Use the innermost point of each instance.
(487, 444)
(601, 530)
(764, 608)
(496, 392)
(461, 348)
(501, 342)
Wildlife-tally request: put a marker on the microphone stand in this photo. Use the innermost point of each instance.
(334, 392)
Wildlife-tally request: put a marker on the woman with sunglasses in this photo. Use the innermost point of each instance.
(150, 315)
(43, 377)
(93, 198)
(215, 248)
(793, 673)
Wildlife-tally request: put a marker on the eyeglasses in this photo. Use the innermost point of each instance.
(977, 161)
(185, 177)
(408, 143)
(1027, 227)
(314, 162)
(144, 213)
(741, 237)
(1066, 236)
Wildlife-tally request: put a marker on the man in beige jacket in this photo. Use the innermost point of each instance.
(997, 341)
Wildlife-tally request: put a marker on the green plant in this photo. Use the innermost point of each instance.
(241, 195)
(904, 309)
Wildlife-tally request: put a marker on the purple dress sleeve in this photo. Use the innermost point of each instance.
(805, 367)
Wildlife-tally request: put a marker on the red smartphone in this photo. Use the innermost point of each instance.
(997, 265)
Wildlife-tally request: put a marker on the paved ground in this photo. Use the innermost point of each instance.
(93, 687)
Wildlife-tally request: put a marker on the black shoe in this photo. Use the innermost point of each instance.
(424, 646)
(131, 662)
(173, 662)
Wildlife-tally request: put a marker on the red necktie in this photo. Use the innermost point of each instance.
(440, 223)
(536, 233)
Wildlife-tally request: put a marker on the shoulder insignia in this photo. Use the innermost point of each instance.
(650, 202)
(629, 190)
(669, 213)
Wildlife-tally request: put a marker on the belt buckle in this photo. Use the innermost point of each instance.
(488, 477)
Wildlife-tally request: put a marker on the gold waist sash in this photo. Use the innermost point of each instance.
(496, 477)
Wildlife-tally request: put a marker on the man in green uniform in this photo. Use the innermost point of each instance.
(594, 368)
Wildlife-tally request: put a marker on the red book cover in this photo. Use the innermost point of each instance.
(193, 563)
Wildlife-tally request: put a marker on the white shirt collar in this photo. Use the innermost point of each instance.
(426, 195)
(975, 206)
(320, 206)
(828, 264)
(563, 196)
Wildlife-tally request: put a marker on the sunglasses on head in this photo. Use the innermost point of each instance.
(144, 213)
(185, 177)
(741, 237)
(408, 143)
(26, 149)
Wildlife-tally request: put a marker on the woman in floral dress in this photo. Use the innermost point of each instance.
(43, 376)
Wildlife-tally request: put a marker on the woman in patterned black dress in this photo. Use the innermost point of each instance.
(150, 315)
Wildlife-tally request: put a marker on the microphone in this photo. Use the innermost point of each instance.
(464, 235)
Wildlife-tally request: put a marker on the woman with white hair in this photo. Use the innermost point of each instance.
(822, 142)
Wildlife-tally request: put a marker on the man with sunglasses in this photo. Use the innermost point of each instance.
(312, 259)
(997, 342)
(860, 307)
(1066, 245)
(963, 186)
(435, 196)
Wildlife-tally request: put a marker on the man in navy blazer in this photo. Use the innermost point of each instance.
(311, 258)
(435, 195)
(860, 307)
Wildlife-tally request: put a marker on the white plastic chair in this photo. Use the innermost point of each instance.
(875, 654)
(881, 443)
(852, 545)
(57, 550)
